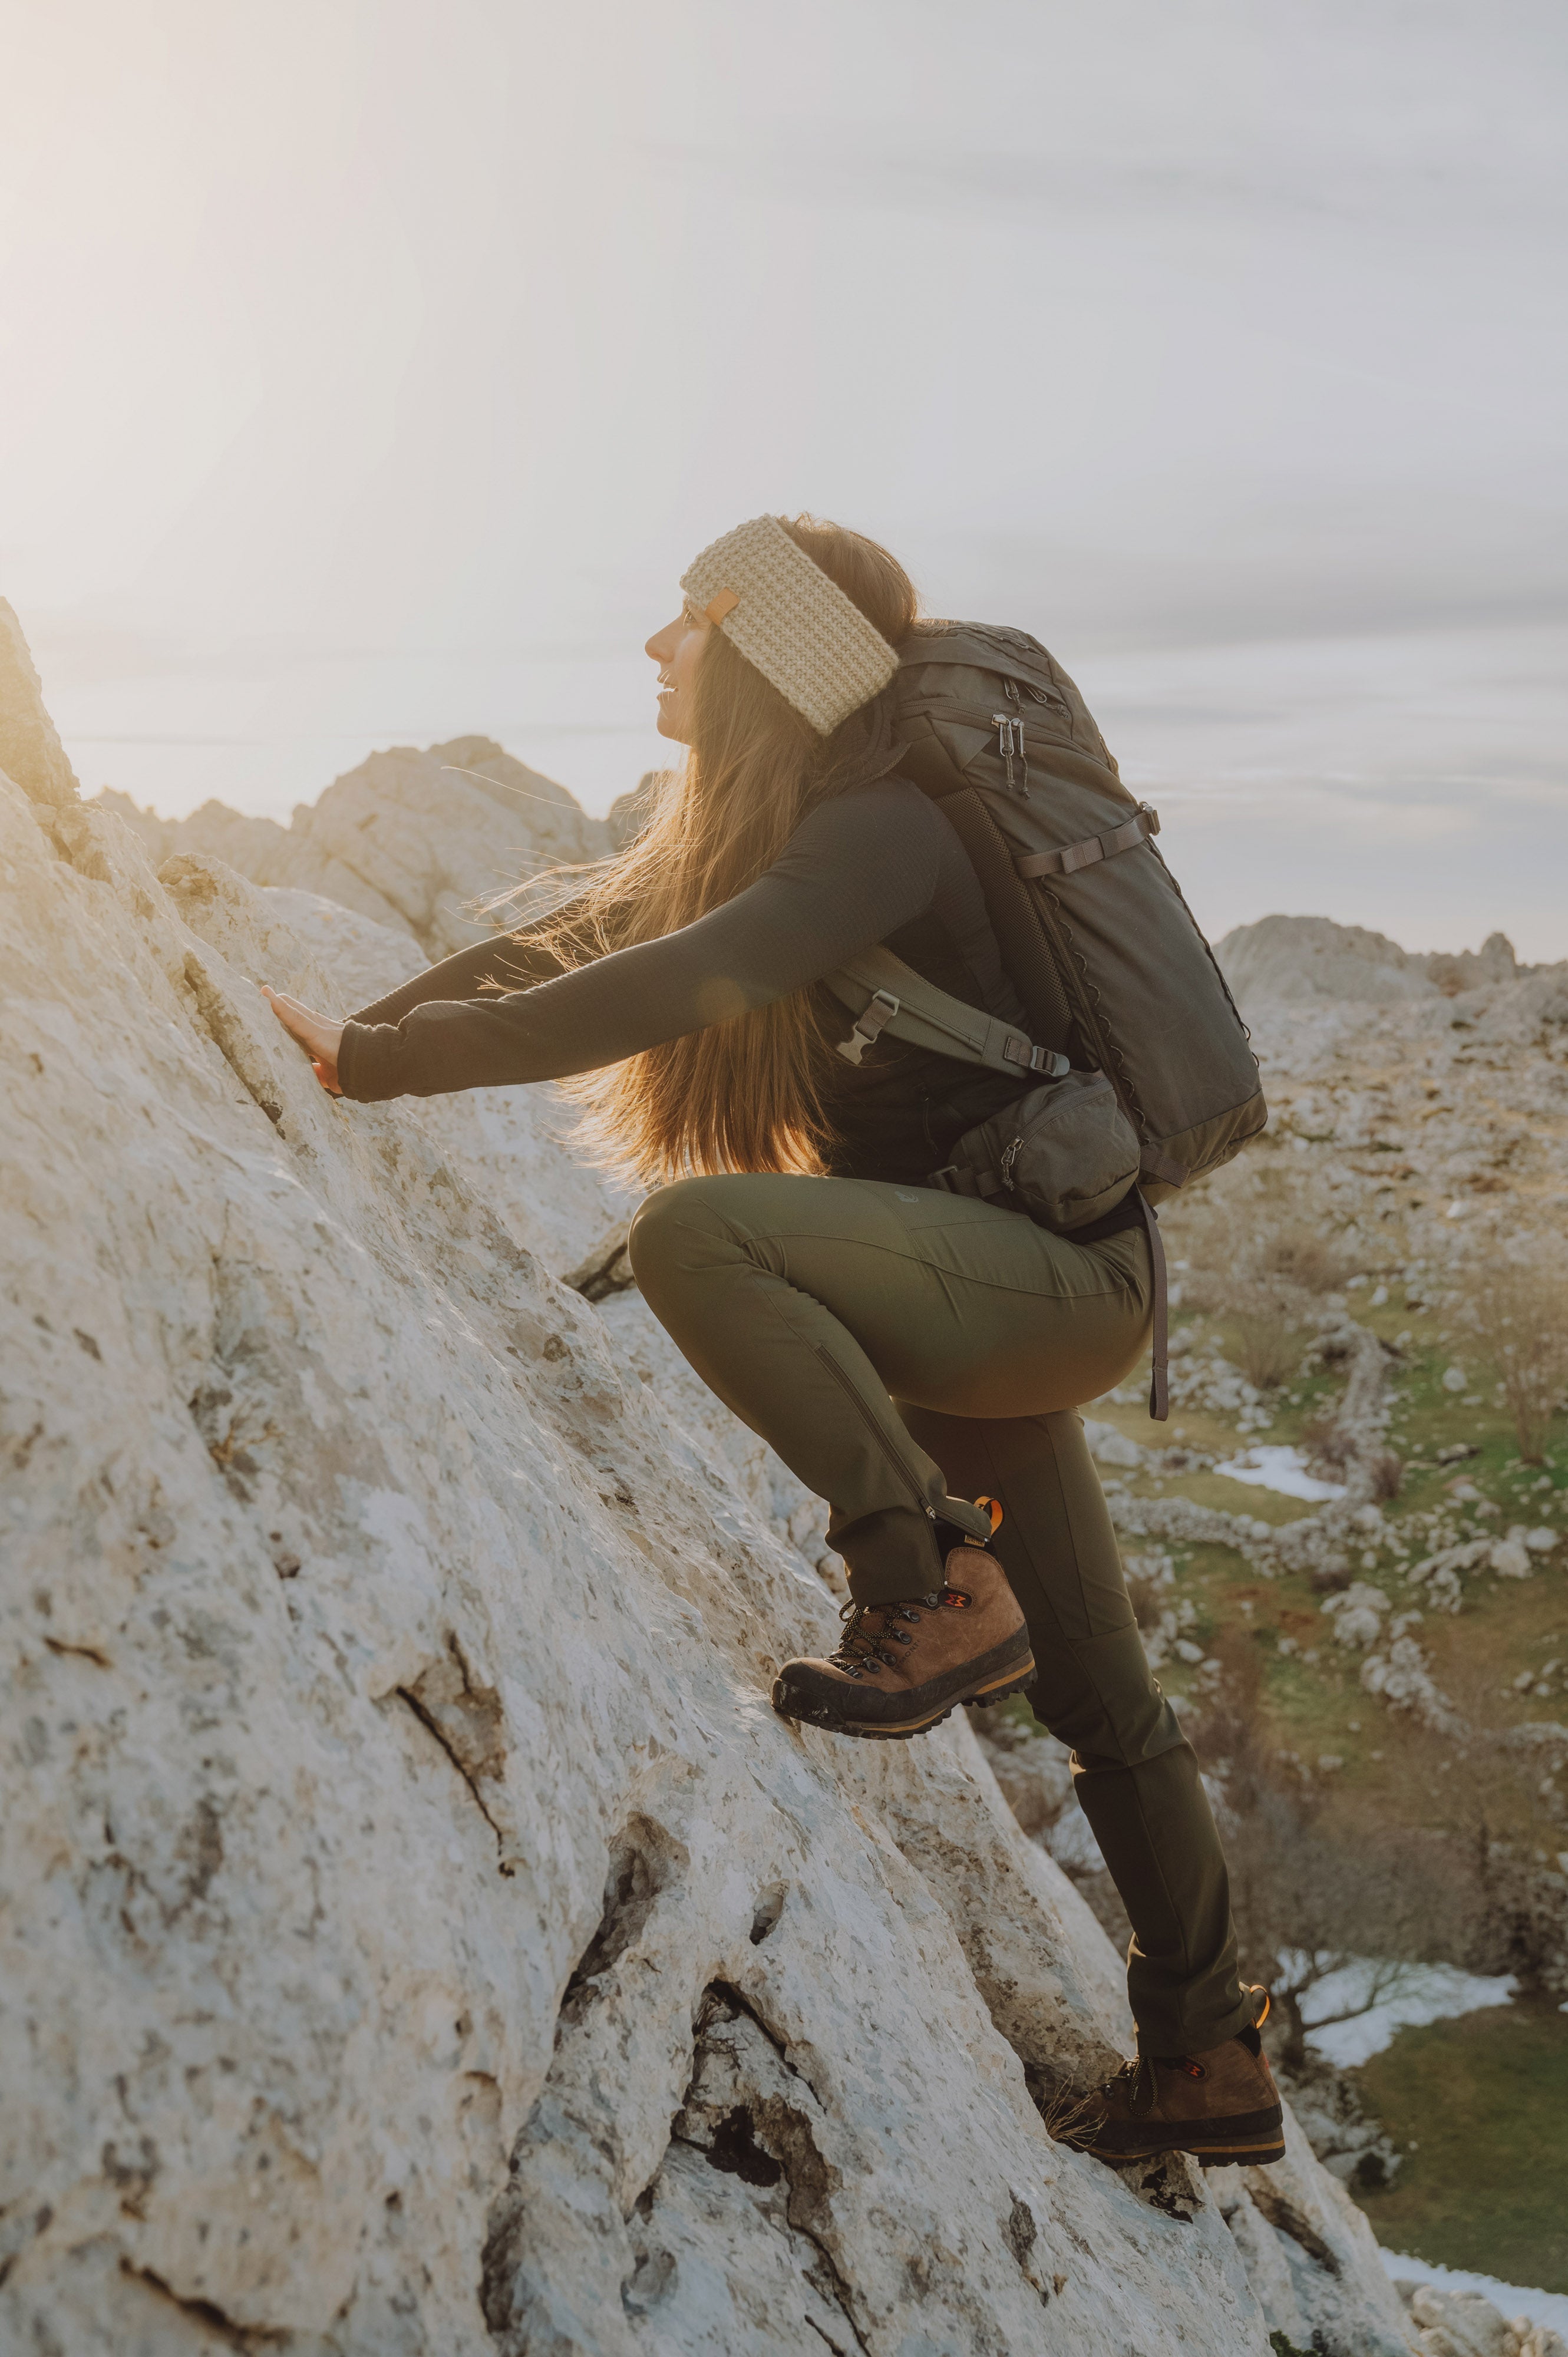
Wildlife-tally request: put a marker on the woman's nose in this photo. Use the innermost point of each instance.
(662, 645)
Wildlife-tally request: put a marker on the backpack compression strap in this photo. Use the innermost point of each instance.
(883, 994)
(1159, 1371)
(1125, 837)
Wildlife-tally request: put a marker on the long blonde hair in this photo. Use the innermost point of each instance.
(747, 1092)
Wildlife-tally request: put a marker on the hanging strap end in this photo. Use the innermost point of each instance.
(1159, 1355)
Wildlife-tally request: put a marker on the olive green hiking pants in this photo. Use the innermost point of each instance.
(906, 1352)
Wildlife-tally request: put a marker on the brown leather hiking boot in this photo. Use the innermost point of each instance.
(900, 1668)
(1220, 2105)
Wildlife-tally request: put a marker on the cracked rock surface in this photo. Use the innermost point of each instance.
(418, 1937)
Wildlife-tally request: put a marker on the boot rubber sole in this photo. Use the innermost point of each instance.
(1237, 2155)
(1253, 2141)
(1012, 1680)
(1260, 2155)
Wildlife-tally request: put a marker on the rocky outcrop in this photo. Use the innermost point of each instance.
(31, 754)
(418, 1934)
(628, 814)
(1292, 960)
(1453, 2323)
(1287, 959)
(418, 841)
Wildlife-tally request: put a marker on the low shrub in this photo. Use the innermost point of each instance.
(1326, 1446)
(1267, 1349)
(1303, 1256)
(1387, 1476)
(1518, 1310)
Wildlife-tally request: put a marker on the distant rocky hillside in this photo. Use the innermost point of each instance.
(1289, 960)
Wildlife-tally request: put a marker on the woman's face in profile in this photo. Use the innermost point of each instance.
(677, 649)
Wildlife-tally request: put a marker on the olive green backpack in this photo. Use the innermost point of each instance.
(1114, 975)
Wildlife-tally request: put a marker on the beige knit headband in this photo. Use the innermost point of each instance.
(784, 615)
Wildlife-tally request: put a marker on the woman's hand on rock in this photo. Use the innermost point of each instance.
(317, 1034)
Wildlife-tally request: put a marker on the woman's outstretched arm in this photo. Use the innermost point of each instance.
(857, 869)
(500, 963)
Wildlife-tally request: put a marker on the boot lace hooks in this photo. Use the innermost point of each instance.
(1144, 2082)
(1140, 2075)
(860, 1647)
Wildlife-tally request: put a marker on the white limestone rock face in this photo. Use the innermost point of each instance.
(508, 1144)
(434, 832)
(362, 959)
(410, 839)
(418, 1937)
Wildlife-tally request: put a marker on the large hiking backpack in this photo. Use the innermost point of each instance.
(1112, 971)
(1093, 930)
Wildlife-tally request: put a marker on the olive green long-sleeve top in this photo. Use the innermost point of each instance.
(878, 864)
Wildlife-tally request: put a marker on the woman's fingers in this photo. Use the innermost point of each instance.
(297, 1019)
(317, 1034)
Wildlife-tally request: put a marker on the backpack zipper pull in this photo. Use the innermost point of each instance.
(1016, 698)
(1009, 727)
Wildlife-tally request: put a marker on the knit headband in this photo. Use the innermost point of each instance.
(783, 614)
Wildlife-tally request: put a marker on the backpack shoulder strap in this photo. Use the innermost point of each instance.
(883, 994)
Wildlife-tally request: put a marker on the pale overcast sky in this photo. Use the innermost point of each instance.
(371, 371)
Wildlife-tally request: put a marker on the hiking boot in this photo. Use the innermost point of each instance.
(1220, 2105)
(900, 1668)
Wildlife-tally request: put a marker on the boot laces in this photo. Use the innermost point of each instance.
(861, 1647)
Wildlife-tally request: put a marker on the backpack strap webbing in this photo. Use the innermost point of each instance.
(883, 994)
(1159, 1369)
(1125, 837)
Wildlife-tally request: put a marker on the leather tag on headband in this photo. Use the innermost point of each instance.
(718, 607)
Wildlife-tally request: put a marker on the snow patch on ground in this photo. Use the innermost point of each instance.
(1417, 1995)
(1272, 1466)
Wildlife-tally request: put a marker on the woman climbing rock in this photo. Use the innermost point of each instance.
(901, 1234)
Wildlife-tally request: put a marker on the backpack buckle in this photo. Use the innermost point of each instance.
(1018, 1051)
(868, 1026)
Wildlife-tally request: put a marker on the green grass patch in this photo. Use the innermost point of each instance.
(1484, 2100)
